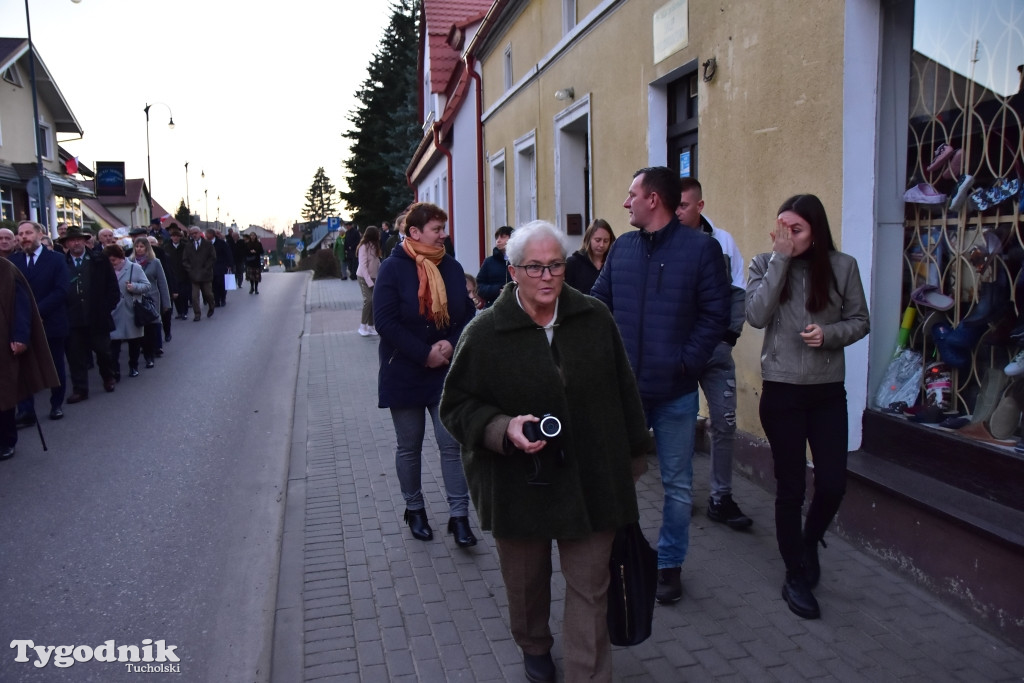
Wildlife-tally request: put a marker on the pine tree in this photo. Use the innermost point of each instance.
(320, 198)
(182, 215)
(385, 127)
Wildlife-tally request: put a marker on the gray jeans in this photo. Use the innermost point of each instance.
(718, 382)
(410, 427)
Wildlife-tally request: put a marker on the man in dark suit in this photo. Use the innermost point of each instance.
(198, 261)
(93, 295)
(225, 262)
(175, 249)
(48, 277)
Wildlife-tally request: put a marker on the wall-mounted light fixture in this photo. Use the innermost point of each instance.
(565, 94)
(710, 66)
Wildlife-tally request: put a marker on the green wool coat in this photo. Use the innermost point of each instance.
(503, 366)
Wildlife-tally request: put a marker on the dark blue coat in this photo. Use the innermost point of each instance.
(671, 300)
(493, 276)
(49, 280)
(404, 380)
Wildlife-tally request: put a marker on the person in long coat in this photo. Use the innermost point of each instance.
(546, 349)
(132, 282)
(145, 257)
(25, 363)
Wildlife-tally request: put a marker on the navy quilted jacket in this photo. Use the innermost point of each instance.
(671, 300)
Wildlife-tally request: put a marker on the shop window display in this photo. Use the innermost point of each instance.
(963, 282)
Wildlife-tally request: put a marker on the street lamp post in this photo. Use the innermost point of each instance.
(188, 202)
(41, 212)
(149, 171)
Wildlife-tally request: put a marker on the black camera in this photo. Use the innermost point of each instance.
(547, 429)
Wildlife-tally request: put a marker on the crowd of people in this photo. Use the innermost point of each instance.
(93, 294)
(545, 401)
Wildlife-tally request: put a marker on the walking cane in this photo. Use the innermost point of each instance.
(39, 428)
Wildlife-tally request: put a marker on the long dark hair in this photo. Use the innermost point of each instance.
(371, 237)
(810, 208)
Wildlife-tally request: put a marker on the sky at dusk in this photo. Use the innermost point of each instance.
(260, 92)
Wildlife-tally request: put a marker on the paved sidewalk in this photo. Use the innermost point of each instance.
(360, 600)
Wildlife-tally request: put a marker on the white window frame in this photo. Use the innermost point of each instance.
(568, 15)
(526, 177)
(45, 132)
(508, 67)
(499, 190)
(574, 112)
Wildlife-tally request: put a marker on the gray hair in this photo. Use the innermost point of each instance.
(523, 235)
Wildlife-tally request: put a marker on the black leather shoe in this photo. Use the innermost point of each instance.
(167, 337)
(812, 567)
(798, 596)
(108, 384)
(670, 587)
(150, 364)
(209, 312)
(197, 318)
(459, 527)
(417, 520)
(134, 372)
(25, 420)
(56, 414)
(539, 668)
(6, 453)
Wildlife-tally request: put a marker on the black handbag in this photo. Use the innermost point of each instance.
(634, 580)
(145, 311)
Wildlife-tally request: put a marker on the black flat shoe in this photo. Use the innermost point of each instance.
(56, 414)
(417, 520)
(134, 372)
(150, 364)
(459, 527)
(6, 453)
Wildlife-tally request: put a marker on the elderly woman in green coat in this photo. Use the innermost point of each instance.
(544, 349)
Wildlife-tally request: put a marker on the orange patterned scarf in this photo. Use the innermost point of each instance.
(432, 294)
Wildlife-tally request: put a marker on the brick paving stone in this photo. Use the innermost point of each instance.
(377, 605)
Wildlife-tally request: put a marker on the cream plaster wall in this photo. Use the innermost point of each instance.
(771, 120)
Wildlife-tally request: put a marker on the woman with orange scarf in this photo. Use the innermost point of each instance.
(420, 307)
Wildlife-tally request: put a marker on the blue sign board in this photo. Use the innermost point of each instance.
(684, 164)
(333, 223)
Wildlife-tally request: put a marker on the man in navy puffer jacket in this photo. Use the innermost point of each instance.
(668, 291)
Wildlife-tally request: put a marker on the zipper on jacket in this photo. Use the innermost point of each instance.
(661, 270)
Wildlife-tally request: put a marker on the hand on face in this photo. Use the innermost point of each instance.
(782, 238)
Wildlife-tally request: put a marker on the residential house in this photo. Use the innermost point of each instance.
(446, 166)
(114, 211)
(18, 134)
(852, 101)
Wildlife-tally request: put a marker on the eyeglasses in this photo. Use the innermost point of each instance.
(535, 270)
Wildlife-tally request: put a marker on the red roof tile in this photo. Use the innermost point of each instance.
(440, 15)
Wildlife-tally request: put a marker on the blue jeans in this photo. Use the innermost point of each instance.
(718, 380)
(410, 426)
(674, 422)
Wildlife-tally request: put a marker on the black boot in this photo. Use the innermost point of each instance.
(417, 520)
(459, 527)
(812, 568)
(798, 596)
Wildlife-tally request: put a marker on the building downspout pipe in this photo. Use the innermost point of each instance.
(470, 63)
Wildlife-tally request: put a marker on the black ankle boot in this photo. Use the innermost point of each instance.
(459, 527)
(417, 520)
(798, 596)
(812, 567)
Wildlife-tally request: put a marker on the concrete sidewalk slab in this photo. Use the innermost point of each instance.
(360, 600)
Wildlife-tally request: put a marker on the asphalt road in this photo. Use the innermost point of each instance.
(156, 513)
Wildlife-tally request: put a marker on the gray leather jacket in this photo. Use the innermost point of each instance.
(784, 355)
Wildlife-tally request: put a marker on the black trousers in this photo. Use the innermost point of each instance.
(794, 416)
(81, 344)
(134, 348)
(28, 404)
(184, 296)
(8, 429)
(219, 292)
